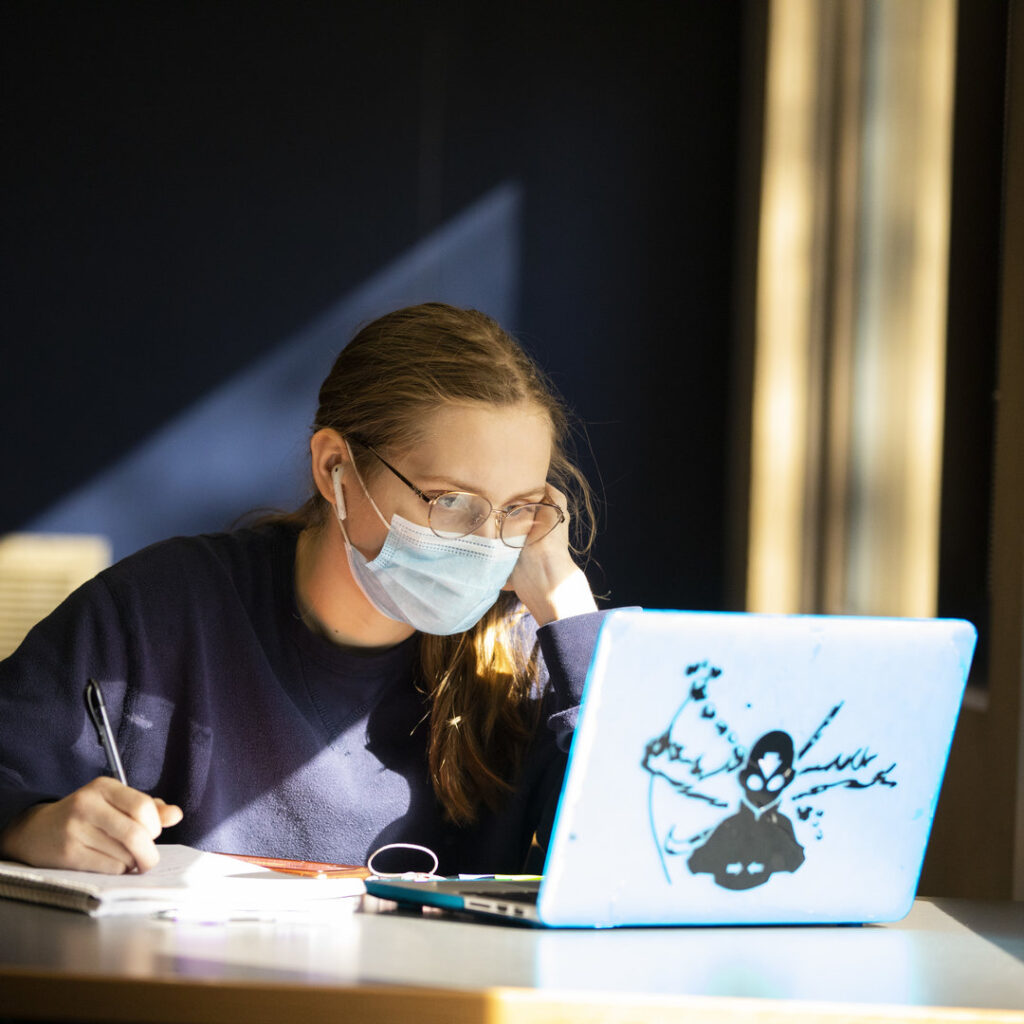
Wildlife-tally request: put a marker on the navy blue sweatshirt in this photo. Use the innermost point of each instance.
(273, 740)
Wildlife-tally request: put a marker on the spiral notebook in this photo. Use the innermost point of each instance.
(212, 886)
(742, 769)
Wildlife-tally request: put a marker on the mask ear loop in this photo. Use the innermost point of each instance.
(407, 876)
(339, 509)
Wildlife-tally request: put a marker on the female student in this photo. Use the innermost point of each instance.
(398, 661)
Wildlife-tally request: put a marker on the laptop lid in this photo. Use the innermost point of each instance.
(753, 769)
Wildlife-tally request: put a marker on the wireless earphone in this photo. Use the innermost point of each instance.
(339, 498)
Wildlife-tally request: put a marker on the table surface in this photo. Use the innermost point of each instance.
(945, 958)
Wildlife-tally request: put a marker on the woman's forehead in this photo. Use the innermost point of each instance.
(499, 451)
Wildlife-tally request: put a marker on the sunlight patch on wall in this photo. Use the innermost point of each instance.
(245, 445)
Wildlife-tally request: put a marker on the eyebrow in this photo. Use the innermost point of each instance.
(448, 484)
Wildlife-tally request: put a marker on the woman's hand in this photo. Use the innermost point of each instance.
(104, 826)
(546, 579)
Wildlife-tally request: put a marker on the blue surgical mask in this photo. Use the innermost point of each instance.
(434, 584)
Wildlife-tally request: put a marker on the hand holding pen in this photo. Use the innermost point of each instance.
(104, 826)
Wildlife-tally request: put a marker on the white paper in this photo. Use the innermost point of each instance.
(219, 886)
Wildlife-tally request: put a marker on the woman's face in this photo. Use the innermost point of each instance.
(502, 454)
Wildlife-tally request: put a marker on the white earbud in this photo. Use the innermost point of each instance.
(339, 498)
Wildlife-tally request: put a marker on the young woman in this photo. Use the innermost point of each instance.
(398, 661)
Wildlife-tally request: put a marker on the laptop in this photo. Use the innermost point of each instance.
(734, 768)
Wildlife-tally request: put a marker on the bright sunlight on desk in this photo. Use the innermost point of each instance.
(949, 961)
(186, 883)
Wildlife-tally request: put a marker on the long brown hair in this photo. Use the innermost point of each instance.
(386, 381)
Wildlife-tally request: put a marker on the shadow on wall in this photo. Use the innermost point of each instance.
(244, 446)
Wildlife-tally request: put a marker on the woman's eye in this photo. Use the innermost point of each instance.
(523, 513)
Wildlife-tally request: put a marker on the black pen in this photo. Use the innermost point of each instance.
(98, 713)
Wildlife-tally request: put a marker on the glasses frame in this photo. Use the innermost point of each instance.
(501, 514)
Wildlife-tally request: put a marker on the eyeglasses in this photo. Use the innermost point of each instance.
(453, 514)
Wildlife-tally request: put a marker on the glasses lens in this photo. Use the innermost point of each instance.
(528, 524)
(456, 513)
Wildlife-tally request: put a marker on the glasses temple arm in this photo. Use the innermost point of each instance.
(408, 483)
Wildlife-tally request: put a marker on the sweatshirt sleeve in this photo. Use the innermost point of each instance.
(567, 646)
(48, 747)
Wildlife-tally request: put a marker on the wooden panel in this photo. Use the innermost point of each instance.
(41, 995)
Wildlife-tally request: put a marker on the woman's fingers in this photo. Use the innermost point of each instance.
(131, 818)
(95, 850)
(103, 826)
(170, 814)
(556, 497)
(546, 578)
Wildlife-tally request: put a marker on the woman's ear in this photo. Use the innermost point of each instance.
(328, 450)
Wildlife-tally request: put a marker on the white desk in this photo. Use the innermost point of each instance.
(949, 960)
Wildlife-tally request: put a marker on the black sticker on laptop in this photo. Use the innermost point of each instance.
(764, 800)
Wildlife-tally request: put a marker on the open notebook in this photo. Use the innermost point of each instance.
(189, 882)
(743, 769)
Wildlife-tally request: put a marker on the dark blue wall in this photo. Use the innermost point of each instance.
(187, 184)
